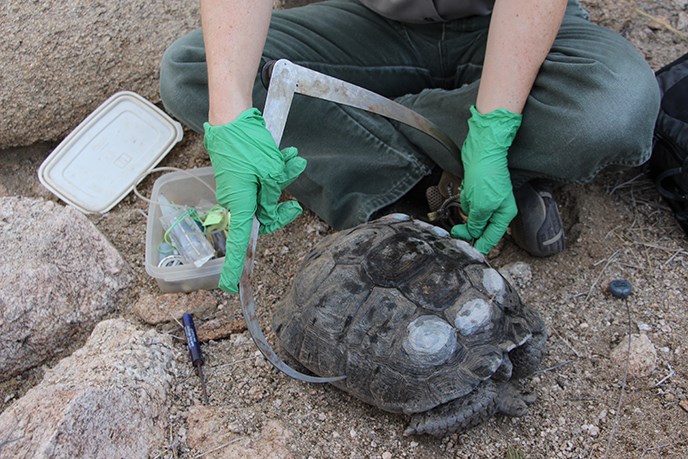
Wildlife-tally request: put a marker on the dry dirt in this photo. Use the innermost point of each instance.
(618, 228)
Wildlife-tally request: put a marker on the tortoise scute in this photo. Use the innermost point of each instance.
(494, 284)
(393, 218)
(388, 393)
(469, 250)
(316, 354)
(436, 230)
(430, 341)
(504, 371)
(474, 316)
(312, 275)
(397, 258)
(483, 361)
(332, 307)
(354, 245)
(434, 286)
(375, 326)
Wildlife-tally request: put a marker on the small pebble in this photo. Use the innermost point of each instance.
(642, 326)
(592, 430)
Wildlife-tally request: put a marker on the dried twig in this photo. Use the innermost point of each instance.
(606, 265)
(629, 265)
(642, 234)
(627, 182)
(667, 377)
(217, 448)
(658, 247)
(574, 296)
(623, 384)
(654, 448)
(176, 320)
(663, 23)
(172, 442)
(230, 364)
(561, 337)
(557, 366)
(613, 232)
(9, 440)
(671, 258)
(3, 443)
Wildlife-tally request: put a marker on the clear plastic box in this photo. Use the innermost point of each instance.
(181, 188)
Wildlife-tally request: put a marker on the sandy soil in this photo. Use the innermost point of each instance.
(618, 228)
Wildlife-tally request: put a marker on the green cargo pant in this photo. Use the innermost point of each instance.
(593, 104)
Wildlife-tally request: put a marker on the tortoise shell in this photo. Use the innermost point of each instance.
(413, 318)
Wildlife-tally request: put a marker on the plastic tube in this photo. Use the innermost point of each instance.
(185, 234)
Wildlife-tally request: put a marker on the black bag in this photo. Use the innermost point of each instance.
(668, 165)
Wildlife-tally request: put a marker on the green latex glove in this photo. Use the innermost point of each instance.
(250, 174)
(486, 193)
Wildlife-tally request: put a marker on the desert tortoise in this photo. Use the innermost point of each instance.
(416, 321)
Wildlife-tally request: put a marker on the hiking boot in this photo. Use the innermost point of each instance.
(537, 228)
(444, 202)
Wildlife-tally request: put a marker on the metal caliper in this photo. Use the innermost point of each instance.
(284, 79)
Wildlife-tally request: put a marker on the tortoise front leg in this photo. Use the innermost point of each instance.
(480, 405)
(458, 415)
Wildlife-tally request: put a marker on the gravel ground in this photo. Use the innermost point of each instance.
(618, 228)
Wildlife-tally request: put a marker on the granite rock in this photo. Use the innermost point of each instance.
(60, 277)
(62, 59)
(107, 400)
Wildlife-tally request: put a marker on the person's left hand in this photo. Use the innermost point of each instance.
(486, 192)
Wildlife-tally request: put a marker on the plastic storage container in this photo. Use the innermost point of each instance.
(183, 189)
(104, 157)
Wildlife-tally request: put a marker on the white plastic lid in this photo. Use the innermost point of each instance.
(104, 158)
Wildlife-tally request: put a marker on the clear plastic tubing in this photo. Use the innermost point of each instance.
(185, 234)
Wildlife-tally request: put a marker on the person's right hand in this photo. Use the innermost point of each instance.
(250, 174)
